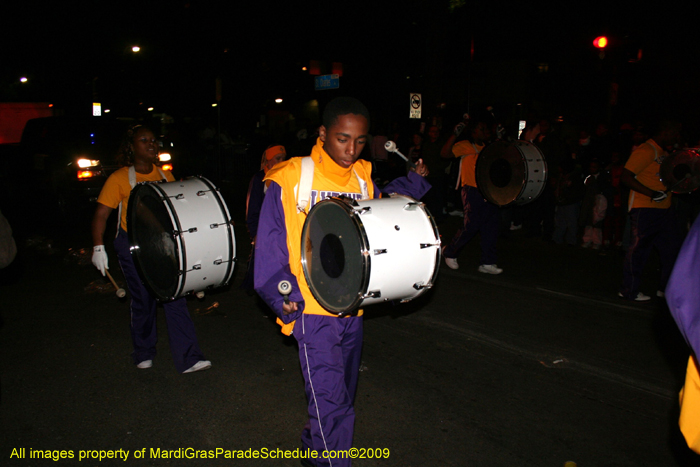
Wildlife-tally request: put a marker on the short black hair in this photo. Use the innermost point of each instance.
(343, 106)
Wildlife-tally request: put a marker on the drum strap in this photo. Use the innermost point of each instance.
(303, 189)
(132, 183)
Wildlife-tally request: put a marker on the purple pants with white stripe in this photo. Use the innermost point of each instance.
(329, 352)
(183, 339)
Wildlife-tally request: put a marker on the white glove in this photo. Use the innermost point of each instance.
(459, 128)
(659, 196)
(99, 258)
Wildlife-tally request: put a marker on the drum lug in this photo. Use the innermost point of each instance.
(412, 206)
(364, 210)
(420, 286)
(379, 252)
(372, 294)
(428, 245)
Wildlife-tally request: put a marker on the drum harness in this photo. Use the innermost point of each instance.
(132, 182)
(303, 189)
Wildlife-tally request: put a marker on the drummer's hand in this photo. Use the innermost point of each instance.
(421, 169)
(99, 258)
(289, 308)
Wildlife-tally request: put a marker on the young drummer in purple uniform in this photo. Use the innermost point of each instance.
(138, 154)
(329, 346)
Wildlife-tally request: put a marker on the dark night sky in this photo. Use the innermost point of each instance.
(69, 49)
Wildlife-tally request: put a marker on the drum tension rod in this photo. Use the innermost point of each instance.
(203, 192)
(380, 252)
(214, 226)
(428, 245)
(364, 210)
(191, 230)
(419, 286)
(221, 261)
(372, 294)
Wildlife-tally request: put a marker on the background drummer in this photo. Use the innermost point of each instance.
(273, 155)
(652, 220)
(480, 215)
(137, 156)
(329, 346)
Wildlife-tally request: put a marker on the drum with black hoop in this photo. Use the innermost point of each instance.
(511, 173)
(680, 171)
(357, 253)
(181, 237)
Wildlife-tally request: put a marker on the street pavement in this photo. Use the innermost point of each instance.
(538, 366)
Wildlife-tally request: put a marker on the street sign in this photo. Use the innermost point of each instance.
(416, 105)
(326, 82)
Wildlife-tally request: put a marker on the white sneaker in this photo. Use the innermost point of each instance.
(199, 366)
(515, 227)
(457, 213)
(639, 298)
(145, 364)
(450, 262)
(490, 269)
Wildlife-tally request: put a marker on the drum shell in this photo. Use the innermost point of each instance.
(511, 173)
(200, 229)
(399, 250)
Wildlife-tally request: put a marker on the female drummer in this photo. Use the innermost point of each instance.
(137, 156)
(272, 156)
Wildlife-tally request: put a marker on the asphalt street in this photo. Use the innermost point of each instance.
(538, 366)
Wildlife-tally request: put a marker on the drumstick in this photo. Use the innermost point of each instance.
(391, 147)
(121, 293)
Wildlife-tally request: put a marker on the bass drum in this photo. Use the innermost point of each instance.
(680, 171)
(181, 237)
(511, 173)
(357, 253)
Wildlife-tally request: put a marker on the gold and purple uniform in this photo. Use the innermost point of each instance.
(329, 346)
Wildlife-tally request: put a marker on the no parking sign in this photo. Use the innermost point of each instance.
(416, 105)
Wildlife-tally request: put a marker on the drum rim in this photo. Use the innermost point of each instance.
(132, 241)
(438, 258)
(366, 258)
(229, 226)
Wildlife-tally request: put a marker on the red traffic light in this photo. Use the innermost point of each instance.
(600, 42)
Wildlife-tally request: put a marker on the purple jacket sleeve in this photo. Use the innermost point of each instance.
(272, 256)
(683, 289)
(412, 185)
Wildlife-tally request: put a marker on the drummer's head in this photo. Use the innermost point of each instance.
(345, 129)
(273, 155)
(479, 132)
(127, 152)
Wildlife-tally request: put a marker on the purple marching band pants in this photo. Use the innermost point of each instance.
(329, 352)
(181, 332)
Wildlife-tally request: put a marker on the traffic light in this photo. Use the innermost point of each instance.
(600, 42)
